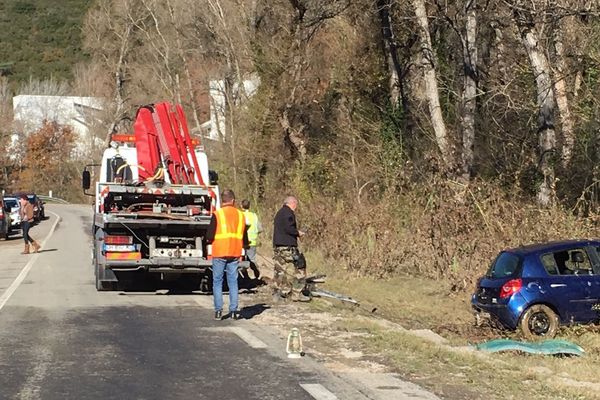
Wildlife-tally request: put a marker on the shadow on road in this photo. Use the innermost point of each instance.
(47, 250)
(249, 312)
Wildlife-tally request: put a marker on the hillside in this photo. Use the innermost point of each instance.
(40, 38)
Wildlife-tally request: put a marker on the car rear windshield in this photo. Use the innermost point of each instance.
(11, 203)
(505, 265)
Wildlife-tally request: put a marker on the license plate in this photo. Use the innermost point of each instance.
(119, 247)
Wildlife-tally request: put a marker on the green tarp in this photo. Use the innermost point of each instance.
(547, 347)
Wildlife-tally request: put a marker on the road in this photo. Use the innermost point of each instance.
(60, 339)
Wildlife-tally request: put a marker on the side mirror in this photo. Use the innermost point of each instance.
(213, 177)
(86, 179)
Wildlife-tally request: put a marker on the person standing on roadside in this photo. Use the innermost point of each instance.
(254, 228)
(228, 236)
(287, 273)
(26, 212)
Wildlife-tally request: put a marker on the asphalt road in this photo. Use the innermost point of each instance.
(61, 339)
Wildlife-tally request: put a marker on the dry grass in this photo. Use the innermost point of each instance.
(441, 231)
(413, 259)
(417, 303)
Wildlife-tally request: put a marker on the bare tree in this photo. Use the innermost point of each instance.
(560, 90)
(428, 65)
(470, 81)
(176, 23)
(529, 33)
(391, 52)
(110, 35)
(308, 17)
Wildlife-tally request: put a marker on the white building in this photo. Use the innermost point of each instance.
(78, 112)
(215, 128)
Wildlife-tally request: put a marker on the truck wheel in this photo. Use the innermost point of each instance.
(101, 285)
(206, 282)
(539, 321)
(99, 263)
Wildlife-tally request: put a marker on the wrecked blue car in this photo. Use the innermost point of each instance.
(538, 287)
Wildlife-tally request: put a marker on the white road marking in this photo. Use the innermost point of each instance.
(11, 289)
(249, 338)
(243, 334)
(318, 392)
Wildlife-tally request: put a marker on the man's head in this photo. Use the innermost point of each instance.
(227, 197)
(245, 204)
(291, 202)
(23, 198)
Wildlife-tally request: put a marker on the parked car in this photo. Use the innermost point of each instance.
(39, 213)
(5, 220)
(12, 204)
(536, 288)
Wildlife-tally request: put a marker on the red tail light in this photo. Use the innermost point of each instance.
(117, 239)
(511, 287)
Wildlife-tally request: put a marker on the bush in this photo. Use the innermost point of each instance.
(443, 230)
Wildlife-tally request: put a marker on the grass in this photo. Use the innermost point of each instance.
(424, 304)
(413, 302)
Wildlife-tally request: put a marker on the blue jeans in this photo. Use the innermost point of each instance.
(220, 266)
(25, 226)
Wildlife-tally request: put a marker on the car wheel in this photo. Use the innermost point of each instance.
(539, 321)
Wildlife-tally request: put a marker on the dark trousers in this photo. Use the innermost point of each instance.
(25, 225)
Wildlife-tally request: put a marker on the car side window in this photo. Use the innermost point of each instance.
(571, 262)
(549, 264)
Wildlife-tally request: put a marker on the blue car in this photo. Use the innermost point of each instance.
(539, 287)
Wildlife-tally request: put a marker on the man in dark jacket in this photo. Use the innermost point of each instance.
(286, 275)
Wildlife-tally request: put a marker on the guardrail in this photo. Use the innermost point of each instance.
(48, 199)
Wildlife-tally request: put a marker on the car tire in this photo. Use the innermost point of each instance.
(539, 321)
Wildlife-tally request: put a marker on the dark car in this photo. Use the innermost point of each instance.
(538, 287)
(5, 220)
(39, 213)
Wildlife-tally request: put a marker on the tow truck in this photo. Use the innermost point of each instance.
(154, 198)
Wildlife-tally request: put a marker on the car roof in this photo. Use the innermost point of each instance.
(30, 196)
(553, 246)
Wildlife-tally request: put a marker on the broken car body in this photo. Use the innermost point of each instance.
(538, 287)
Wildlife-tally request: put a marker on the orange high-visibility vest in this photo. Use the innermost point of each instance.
(229, 236)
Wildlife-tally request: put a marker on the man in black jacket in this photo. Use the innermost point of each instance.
(288, 272)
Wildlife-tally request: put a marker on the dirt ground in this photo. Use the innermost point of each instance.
(410, 328)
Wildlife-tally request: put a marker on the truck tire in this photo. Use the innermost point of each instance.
(206, 283)
(539, 321)
(99, 264)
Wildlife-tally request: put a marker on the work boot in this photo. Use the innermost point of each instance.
(26, 251)
(277, 298)
(36, 246)
(299, 296)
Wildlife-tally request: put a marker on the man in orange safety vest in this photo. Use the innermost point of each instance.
(228, 234)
